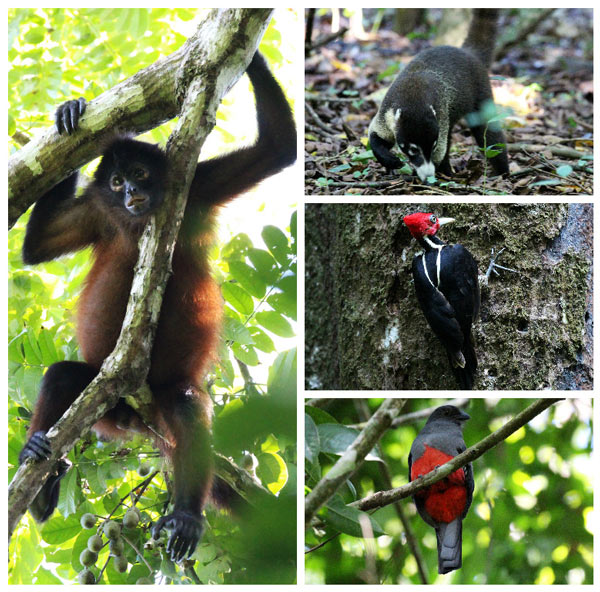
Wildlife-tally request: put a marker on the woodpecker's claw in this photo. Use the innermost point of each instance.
(493, 266)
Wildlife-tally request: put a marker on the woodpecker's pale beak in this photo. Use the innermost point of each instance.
(442, 221)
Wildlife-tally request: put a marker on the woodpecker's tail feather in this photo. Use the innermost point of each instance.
(481, 37)
(465, 375)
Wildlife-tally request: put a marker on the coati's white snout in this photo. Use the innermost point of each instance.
(427, 169)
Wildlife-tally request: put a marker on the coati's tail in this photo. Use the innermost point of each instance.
(481, 38)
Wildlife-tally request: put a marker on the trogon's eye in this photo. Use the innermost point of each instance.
(433, 219)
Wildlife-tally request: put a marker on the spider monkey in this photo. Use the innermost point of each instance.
(128, 186)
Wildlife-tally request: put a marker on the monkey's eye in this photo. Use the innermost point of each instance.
(116, 182)
(140, 174)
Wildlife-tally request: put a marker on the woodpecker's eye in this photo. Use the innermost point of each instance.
(433, 219)
(116, 182)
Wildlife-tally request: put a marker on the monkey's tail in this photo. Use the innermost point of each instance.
(225, 497)
(481, 38)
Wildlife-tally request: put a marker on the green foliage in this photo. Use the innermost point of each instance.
(56, 54)
(530, 521)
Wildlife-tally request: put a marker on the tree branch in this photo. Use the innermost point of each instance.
(353, 457)
(224, 46)
(136, 105)
(383, 498)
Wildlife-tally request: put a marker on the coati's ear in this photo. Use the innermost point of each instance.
(433, 111)
(397, 114)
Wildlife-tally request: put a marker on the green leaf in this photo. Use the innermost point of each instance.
(261, 340)
(272, 321)
(265, 264)
(564, 170)
(312, 442)
(238, 298)
(347, 519)
(60, 530)
(272, 471)
(336, 438)
(249, 278)
(277, 243)
(245, 353)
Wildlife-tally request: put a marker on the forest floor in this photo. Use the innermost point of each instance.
(542, 78)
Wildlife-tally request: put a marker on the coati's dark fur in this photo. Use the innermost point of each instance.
(440, 86)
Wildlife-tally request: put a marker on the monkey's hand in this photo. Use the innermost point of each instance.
(37, 448)
(67, 115)
(186, 530)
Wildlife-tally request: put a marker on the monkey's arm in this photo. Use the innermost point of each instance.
(224, 177)
(59, 224)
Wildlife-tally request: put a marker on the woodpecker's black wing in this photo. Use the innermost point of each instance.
(460, 284)
(438, 311)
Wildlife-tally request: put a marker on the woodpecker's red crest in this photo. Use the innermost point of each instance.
(421, 224)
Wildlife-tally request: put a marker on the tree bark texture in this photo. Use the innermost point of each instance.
(364, 327)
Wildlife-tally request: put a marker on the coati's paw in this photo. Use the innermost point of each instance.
(186, 530)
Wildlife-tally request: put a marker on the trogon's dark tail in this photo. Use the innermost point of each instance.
(449, 545)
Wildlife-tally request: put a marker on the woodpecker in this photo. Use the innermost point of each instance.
(447, 288)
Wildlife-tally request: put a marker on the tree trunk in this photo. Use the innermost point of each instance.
(364, 328)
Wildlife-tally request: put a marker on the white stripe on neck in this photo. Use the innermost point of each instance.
(438, 263)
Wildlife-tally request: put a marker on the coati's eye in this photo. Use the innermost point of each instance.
(140, 173)
(433, 219)
(116, 182)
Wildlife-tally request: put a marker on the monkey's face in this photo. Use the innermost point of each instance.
(133, 187)
(131, 177)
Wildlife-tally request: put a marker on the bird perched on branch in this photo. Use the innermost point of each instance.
(447, 288)
(444, 504)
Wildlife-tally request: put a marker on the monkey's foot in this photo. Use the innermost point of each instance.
(186, 530)
(493, 267)
(36, 448)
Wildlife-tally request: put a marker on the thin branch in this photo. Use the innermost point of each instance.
(383, 498)
(353, 457)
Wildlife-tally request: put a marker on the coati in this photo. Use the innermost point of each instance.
(440, 86)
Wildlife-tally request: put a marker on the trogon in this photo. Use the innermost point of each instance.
(444, 504)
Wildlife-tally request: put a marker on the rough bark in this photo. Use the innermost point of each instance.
(216, 58)
(364, 329)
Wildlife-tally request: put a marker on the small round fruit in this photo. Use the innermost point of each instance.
(86, 577)
(116, 546)
(111, 529)
(144, 470)
(87, 558)
(120, 563)
(88, 521)
(143, 581)
(95, 543)
(131, 518)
